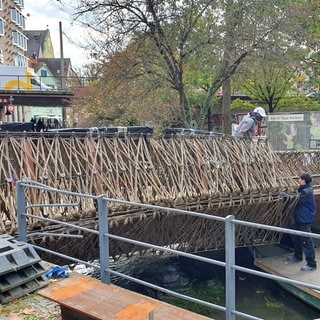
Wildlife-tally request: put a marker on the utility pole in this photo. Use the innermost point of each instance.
(63, 80)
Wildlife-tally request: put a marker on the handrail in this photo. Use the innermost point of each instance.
(104, 237)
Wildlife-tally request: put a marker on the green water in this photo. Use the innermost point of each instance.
(256, 296)
(260, 298)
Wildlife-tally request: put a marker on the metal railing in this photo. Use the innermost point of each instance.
(104, 237)
(41, 83)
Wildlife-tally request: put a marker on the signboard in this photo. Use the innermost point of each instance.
(286, 117)
(294, 131)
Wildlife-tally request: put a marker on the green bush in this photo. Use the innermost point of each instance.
(298, 103)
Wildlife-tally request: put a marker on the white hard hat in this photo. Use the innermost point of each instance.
(261, 111)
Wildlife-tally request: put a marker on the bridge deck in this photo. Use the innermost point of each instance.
(84, 298)
(277, 265)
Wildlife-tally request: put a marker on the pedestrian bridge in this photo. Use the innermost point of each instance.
(217, 176)
(37, 98)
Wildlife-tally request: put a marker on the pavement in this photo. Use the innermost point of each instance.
(31, 306)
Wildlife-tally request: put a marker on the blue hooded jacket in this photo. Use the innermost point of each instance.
(305, 210)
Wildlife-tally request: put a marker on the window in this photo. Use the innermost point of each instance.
(35, 82)
(19, 40)
(20, 60)
(18, 18)
(13, 15)
(2, 27)
(20, 3)
(44, 73)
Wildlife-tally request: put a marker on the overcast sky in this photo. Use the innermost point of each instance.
(43, 14)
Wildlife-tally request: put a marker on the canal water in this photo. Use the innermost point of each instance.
(256, 296)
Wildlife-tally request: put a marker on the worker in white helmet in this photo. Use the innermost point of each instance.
(248, 125)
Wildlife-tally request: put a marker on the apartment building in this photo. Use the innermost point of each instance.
(32, 48)
(13, 42)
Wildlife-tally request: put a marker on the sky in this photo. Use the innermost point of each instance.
(46, 14)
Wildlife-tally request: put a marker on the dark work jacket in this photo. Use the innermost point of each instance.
(305, 210)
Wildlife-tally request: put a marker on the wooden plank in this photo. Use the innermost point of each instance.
(87, 298)
(278, 265)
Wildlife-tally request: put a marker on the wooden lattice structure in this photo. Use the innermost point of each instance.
(213, 175)
(302, 161)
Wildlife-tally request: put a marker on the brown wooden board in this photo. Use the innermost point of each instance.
(85, 298)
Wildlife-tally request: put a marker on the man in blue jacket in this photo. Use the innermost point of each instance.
(304, 215)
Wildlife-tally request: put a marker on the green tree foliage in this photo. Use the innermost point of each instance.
(221, 35)
(288, 103)
(269, 76)
(298, 103)
(311, 61)
(242, 106)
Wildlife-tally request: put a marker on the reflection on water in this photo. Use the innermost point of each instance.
(254, 295)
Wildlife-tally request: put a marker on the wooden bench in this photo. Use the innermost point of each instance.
(84, 298)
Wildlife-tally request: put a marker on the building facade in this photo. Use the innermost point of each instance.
(18, 45)
(33, 49)
(13, 42)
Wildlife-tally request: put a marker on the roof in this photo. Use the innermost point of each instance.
(54, 64)
(39, 43)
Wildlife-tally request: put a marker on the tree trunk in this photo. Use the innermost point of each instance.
(226, 107)
(209, 119)
(185, 112)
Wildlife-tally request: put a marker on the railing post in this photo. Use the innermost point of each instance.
(230, 270)
(103, 239)
(21, 210)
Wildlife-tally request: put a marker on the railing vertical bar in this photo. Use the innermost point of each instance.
(230, 270)
(103, 239)
(21, 210)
